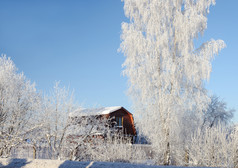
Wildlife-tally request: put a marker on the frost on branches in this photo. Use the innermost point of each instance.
(165, 70)
(57, 107)
(19, 103)
(217, 113)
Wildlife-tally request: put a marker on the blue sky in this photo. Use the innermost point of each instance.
(76, 42)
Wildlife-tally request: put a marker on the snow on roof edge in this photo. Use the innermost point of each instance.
(94, 111)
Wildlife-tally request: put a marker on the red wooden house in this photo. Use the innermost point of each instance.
(122, 118)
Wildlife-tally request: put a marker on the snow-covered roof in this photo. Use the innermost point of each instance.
(94, 111)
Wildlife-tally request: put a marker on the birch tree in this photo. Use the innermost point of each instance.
(166, 72)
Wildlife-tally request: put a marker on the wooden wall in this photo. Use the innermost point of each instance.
(128, 122)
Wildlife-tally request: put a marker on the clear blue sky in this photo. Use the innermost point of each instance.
(76, 42)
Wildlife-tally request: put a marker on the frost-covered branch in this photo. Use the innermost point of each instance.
(56, 119)
(19, 104)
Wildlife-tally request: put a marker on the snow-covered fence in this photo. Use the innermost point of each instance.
(27, 151)
(145, 148)
(111, 152)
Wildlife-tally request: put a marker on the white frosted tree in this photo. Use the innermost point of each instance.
(19, 105)
(217, 113)
(84, 133)
(57, 107)
(166, 72)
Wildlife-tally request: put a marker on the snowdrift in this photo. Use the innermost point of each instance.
(43, 163)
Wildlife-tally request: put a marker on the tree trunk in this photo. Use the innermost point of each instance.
(186, 157)
(167, 159)
(236, 159)
(34, 152)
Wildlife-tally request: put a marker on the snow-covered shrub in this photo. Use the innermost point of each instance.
(211, 147)
(118, 148)
(234, 146)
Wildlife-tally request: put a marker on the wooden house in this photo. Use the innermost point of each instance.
(121, 118)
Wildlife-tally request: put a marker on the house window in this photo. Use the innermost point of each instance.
(119, 121)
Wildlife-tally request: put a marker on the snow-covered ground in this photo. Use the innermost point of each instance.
(41, 163)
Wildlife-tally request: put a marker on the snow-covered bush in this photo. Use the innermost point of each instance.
(212, 147)
(118, 148)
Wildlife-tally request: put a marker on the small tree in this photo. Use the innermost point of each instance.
(56, 118)
(84, 133)
(217, 112)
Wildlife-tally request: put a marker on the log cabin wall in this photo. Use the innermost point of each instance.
(126, 121)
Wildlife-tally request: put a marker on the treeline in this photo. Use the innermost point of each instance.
(42, 121)
(30, 119)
